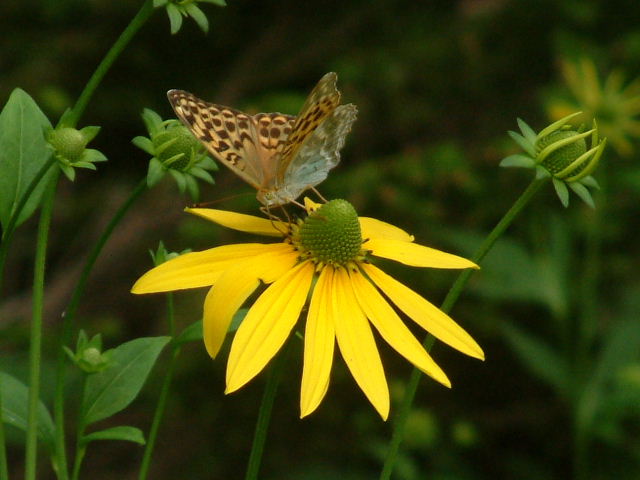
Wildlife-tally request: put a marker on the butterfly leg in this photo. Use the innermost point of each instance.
(315, 190)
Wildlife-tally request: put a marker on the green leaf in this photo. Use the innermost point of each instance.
(518, 161)
(23, 152)
(192, 187)
(201, 174)
(192, 333)
(583, 193)
(68, 171)
(538, 357)
(220, 3)
(151, 120)
(523, 142)
(128, 434)
(92, 155)
(198, 15)
(562, 191)
(180, 179)
(112, 389)
(175, 18)
(89, 133)
(528, 132)
(237, 319)
(144, 144)
(155, 172)
(15, 401)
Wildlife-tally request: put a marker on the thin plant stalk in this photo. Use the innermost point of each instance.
(447, 305)
(264, 415)
(67, 327)
(164, 394)
(4, 468)
(123, 40)
(35, 342)
(8, 232)
(81, 446)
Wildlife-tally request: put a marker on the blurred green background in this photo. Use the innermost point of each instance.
(437, 85)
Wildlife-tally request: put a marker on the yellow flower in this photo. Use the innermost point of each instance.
(346, 298)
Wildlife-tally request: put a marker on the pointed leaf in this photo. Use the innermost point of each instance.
(562, 191)
(128, 434)
(583, 193)
(527, 131)
(175, 18)
(192, 333)
(15, 401)
(23, 152)
(198, 15)
(112, 389)
(518, 161)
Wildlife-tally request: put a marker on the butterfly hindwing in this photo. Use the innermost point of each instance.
(279, 155)
(322, 101)
(229, 135)
(320, 152)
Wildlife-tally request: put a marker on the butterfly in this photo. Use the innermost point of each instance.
(280, 155)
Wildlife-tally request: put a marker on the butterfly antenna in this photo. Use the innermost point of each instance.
(220, 200)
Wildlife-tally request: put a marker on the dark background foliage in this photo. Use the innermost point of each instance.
(437, 85)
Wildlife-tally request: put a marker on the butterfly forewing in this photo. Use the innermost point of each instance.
(229, 135)
(320, 152)
(279, 155)
(322, 101)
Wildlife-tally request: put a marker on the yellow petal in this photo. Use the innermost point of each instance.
(232, 289)
(429, 317)
(373, 228)
(392, 329)
(415, 255)
(267, 325)
(241, 222)
(200, 269)
(357, 345)
(319, 341)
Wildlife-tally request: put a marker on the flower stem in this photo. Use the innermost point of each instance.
(8, 232)
(81, 446)
(123, 40)
(447, 305)
(67, 326)
(36, 330)
(164, 394)
(264, 416)
(4, 468)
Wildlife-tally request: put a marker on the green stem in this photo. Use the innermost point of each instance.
(36, 330)
(447, 305)
(67, 327)
(123, 40)
(164, 394)
(81, 446)
(264, 415)
(8, 232)
(4, 468)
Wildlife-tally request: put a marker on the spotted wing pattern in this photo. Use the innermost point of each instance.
(321, 103)
(320, 152)
(279, 155)
(229, 135)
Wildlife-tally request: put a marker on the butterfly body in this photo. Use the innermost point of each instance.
(280, 155)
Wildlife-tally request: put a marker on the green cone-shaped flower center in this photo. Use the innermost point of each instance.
(183, 142)
(68, 143)
(564, 156)
(332, 233)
